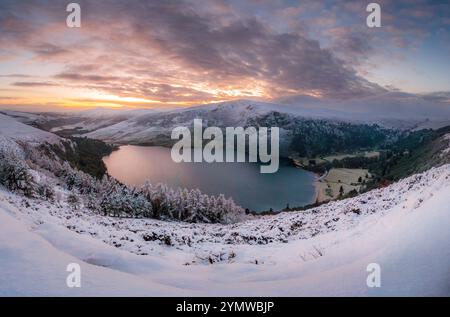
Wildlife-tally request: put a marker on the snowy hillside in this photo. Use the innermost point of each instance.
(228, 114)
(148, 127)
(18, 131)
(156, 128)
(323, 251)
(76, 121)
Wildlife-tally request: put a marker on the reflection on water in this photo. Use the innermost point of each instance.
(134, 165)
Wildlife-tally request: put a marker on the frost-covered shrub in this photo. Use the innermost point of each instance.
(14, 174)
(120, 200)
(73, 201)
(191, 205)
(160, 197)
(45, 191)
(15, 177)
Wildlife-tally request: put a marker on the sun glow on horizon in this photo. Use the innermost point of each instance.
(189, 56)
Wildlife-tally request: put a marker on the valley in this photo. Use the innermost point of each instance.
(344, 149)
(242, 181)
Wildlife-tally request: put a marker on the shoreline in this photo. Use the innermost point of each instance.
(320, 196)
(339, 182)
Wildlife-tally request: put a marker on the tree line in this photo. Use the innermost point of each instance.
(19, 170)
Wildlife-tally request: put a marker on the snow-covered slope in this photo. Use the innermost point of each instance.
(323, 251)
(156, 128)
(77, 121)
(32, 266)
(94, 119)
(15, 130)
(149, 127)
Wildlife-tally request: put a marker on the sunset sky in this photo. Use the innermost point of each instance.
(179, 53)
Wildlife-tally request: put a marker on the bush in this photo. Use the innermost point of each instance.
(46, 192)
(15, 176)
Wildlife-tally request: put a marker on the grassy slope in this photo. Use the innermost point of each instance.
(85, 154)
(423, 156)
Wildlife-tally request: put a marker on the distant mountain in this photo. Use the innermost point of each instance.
(390, 110)
(301, 131)
(335, 124)
(76, 122)
(107, 113)
(394, 109)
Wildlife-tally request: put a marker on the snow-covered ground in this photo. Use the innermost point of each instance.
(323, 251)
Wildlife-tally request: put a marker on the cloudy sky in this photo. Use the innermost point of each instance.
(176, 53)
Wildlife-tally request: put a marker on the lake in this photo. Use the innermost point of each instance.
(134, 165)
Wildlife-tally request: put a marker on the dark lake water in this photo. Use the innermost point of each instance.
(134, 165)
